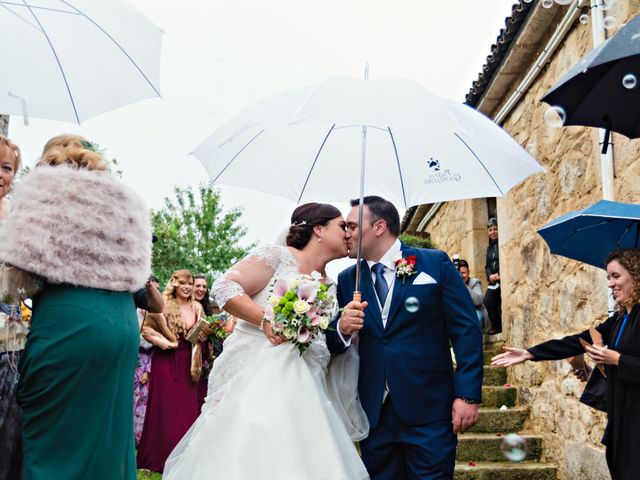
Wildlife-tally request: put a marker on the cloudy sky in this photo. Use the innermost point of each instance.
(219, 57)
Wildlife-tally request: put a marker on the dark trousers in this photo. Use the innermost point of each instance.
(493, 301)
(397, 451)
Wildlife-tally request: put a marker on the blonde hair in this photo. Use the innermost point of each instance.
(17, 159)
(74, 151)
(175, 320)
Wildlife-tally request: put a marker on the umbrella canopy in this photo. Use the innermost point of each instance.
(72, 59)
(307, 145)
(589, 235)
(603, 89)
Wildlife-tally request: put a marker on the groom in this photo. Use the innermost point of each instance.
(415, 402)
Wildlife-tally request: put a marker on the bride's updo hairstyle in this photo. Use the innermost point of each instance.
(304, 218)
(74, 151)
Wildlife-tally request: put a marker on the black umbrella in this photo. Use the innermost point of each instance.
(603, 89)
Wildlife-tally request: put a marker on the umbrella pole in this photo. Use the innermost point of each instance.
(357, 294)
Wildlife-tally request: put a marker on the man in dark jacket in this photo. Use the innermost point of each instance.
(492, 297)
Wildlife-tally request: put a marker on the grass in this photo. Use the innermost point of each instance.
(147, 475)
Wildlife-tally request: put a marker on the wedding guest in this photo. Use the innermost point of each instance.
(620, 355)
(175, 398)
(86, 238)
(493, 296)
(141, 377)
(201, 293)
(474, 286)
(13, 335)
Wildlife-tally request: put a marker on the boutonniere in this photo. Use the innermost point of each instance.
(405, 266)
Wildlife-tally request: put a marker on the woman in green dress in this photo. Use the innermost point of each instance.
(86, 239)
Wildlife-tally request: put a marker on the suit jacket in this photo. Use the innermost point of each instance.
(412, 353)
(622, 435)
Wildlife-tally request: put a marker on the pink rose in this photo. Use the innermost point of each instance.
(269, 314)
(313, 317)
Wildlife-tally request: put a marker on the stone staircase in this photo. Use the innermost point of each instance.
(479, 456)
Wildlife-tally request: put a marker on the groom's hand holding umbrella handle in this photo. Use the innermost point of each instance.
(352, 318)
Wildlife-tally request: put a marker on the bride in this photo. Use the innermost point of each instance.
(268, 412)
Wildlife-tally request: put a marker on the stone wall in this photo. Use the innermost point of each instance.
(461, 228)
(4, 125)
(546, 296)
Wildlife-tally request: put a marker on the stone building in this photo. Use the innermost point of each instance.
(4, 125)
(544, 296)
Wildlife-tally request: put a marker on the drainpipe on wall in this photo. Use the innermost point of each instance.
(606, 159)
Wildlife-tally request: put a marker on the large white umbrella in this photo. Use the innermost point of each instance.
(306, 145)
(72, 59)
(344, 137)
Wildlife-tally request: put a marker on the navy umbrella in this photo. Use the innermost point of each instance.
(589, 235)
(603, 89)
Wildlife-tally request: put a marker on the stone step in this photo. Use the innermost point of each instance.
(485, 447)
(495, 376)
(494, 396)
(487, 355)
(493, 420)
(505, 471)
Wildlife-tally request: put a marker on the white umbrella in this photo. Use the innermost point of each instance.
(390, 137)
(306, 145)
(72, 59)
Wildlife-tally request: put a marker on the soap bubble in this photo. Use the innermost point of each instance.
(412, 304)
(609, 22)
(584, 18)
(629, 81)
(563, 2)
(514, 447)
(528, 1)
(554, 116)
(547, 3)
(607, 4)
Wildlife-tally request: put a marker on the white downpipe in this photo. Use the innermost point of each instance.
(568, 21)
(606, 159)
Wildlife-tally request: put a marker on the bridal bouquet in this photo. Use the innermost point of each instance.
(300, 308)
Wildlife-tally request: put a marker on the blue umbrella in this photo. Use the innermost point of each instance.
(589, 235)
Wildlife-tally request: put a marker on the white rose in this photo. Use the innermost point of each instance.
(273, 300)
(301, 307)
(323, 323)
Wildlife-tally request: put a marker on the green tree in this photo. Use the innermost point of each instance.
(416, 239)
(193, 233)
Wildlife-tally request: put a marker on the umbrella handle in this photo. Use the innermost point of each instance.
(357, 296)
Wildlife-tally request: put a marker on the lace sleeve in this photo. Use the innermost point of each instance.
(248, 276)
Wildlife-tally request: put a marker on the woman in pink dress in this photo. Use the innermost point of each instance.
(176, 394)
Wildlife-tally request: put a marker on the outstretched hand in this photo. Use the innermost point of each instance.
(511, 356)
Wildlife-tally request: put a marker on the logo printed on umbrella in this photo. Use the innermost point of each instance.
(433, 164)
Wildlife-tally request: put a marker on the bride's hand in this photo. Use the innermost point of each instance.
(274, 338)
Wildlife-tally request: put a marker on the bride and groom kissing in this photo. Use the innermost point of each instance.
(273, 413)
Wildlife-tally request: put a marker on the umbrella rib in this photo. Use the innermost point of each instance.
(116, 44)
(314, 161)
(236, 155)
(480, 161)
(4, 5)
(395, 151)
(38, 7)
(55, 54)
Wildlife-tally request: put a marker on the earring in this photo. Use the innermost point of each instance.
(319, 239)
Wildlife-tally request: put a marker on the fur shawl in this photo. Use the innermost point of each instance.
(79, 227)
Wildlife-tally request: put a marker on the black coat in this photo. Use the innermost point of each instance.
(492, 262)
(622, 435)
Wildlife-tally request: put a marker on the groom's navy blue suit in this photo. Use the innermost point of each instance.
(411, 355)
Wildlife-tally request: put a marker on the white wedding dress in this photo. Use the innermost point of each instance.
(268, 414)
